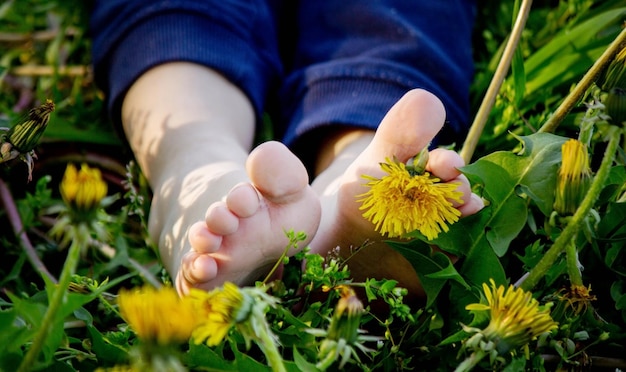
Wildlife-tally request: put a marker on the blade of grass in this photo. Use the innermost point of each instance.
(576, 94)
(496, 82)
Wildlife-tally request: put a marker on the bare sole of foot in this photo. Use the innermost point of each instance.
(244, 234)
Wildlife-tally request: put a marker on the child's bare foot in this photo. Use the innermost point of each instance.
(408, 127)
(244, 234)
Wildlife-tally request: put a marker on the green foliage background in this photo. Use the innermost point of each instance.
(45, 53)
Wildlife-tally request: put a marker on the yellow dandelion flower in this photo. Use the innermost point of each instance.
(218, 310)
(158, 315)
(83, 190)
(515, 317)
(574, 177)
(401, 202)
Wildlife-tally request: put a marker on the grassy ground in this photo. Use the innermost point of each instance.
(45, 54)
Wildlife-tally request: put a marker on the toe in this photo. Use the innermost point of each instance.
(202, 240)
(243, 200)
(276, 172)
(196, 269)
(474, 205)
(409, 126)
(463, 186)
(220, 220)
(444, 164)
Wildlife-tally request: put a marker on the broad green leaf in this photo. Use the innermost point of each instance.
(613, 259)
(502, 173)
(620, 303)
(614, 185)
(612, 224)
(32, 312)
(459, 298)
(457, 240)
(246, 363)
(106, 350)
(72, 301)
(517, 364)
(28, 314)
(433, 268)
(302, 363)
(448, 273)
(202, 357)
(13, 332)
(467, 240)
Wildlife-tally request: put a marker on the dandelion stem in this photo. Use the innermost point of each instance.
(573, 226)
(270, 350)
(576, 94)
(496, 82)
(18, 229)
(471, 361)
(325, 363)
(69, 268)
(575, 277)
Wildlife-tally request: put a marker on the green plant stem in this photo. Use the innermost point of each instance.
(576, 94)
(574, 224)
(293, 242)
(267, 344)
(471, 361)
(277, 264)
(60, 291)
(482, 115)
(325, 363)
(575, 277)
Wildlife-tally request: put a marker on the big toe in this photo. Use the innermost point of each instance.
(276, 172)
(409, 126)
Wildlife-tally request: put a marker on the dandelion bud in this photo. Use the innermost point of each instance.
(615, 75)
(604, 336)
(615, 103)
(83, 191)
(25, 135)
(21, 139)
(347, 316)
(573, 179)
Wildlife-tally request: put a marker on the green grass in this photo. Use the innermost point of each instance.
(44, 53)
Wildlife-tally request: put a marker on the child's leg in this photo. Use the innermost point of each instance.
(408, 127)
(191, 131)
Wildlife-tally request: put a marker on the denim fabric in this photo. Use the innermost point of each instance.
(309, 63)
